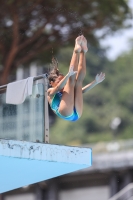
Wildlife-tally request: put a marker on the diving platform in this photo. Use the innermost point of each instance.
(24, 163)
(26, 157)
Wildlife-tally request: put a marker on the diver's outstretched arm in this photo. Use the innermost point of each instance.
(98, 79)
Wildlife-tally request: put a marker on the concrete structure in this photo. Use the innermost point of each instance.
(111, 171)
(27, 163)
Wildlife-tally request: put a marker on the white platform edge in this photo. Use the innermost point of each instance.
(42, 151)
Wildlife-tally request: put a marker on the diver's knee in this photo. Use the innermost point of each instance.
(72, 79)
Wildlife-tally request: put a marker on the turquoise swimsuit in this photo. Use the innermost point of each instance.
(55, 106)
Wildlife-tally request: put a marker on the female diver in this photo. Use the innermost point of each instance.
(65, 95)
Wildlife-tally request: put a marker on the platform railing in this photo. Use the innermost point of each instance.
(28, 121)
(125, 194)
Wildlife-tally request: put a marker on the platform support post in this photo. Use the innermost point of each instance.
(46, 113)
(52, 192)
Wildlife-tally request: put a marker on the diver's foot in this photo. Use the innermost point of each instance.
(78, 41)
(84, 44)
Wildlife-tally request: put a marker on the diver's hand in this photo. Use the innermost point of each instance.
(71, 72)
(100, 77)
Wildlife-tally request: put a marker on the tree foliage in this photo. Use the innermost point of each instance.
(30, 29)
(111, 99)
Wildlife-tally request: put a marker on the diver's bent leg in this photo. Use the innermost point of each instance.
(81, 68)
(67, 101)
(76, 51)
(78, 102)
(68, 98)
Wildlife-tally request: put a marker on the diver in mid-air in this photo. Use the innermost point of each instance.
(66, 93)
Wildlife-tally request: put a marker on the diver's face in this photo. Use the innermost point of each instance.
(57, 80)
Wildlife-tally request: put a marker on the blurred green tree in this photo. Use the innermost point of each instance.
(30, 28)
(111, 99)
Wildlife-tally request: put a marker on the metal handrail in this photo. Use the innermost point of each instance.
(44, 76)
(3, 87)
(122, 192)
